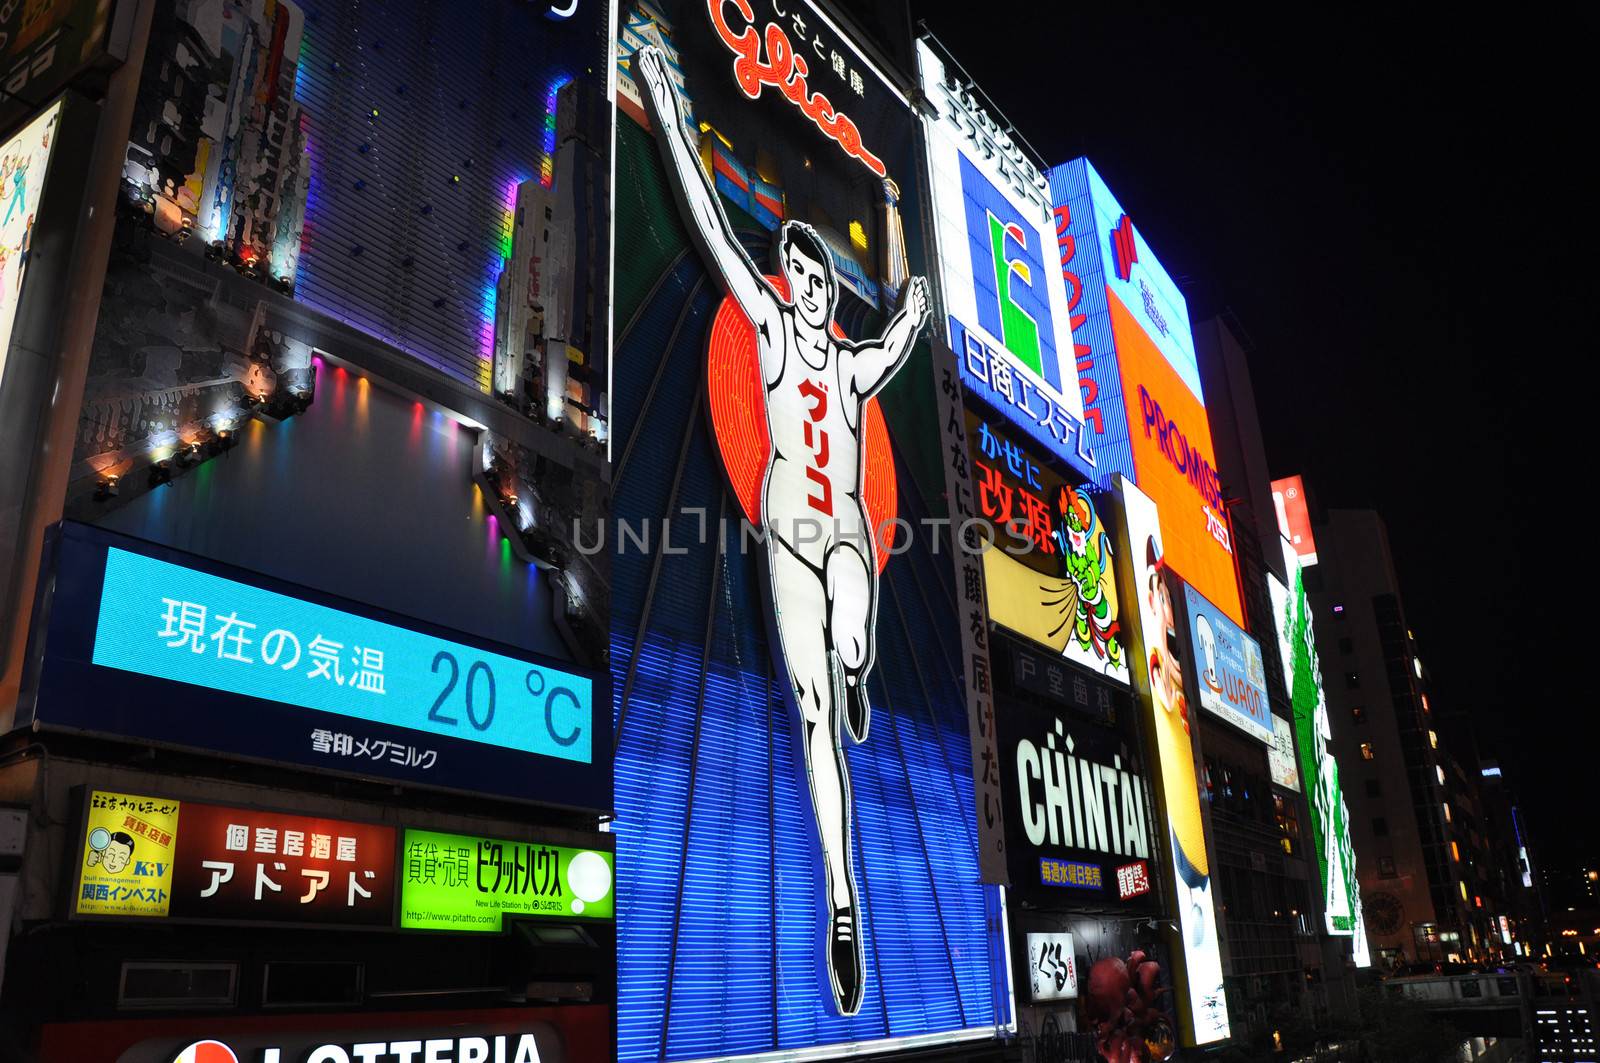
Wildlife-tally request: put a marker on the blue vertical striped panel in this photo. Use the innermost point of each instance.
(719, 885)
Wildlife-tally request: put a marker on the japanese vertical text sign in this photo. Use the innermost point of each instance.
(1202, 1006)
(466, 883)
(155, 645)
(1004, 297)
(156, 856)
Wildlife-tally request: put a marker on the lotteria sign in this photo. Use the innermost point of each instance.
(1006, 304)
(152, 644)
(1230, 675)
(501, 1048)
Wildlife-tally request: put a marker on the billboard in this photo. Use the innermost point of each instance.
(1176, 466)
(1141, 380)
(1294, 517)
(1202, 1006)
(24, 165)
(1330, 816)
(152, 644)
(776, 712)
(1077, 806)
(1230, 675)
(1048, 573)
(1282, 764)
(157, 857)
(464, 883)
(1004, 299)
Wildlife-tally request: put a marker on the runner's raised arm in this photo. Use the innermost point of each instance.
(710, 230)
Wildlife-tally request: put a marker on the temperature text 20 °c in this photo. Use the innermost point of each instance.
(478, 698)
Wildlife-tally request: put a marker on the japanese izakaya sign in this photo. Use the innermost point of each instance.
(158, 857)
(459, 882)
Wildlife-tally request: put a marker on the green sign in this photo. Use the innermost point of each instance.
(465, 883)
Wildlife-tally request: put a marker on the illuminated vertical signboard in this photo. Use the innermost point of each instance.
(1202, 1006)
(1330, 816)
(1230, 675)
(1048, 574)
(1294, 517)
(797, 853)
(1143, 404)
(24, 165)
(1006, 304)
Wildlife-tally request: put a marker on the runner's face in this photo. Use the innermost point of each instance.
(808, 281)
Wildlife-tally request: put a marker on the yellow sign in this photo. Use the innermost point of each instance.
(125, 867)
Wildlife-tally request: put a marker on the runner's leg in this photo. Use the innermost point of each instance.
(852, 598)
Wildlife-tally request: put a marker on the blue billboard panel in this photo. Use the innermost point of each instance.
(1082, 268)
(1103, 255)
(147, 643)
(1230, 676)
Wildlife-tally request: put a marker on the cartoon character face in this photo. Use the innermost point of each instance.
(117, 853)
(810, 285)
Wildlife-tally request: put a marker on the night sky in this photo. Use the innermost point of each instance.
(1385, 202)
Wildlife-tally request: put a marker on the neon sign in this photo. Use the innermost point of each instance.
(815, 388)
(785, 70)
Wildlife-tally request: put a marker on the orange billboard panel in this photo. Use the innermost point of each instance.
(1176, 466)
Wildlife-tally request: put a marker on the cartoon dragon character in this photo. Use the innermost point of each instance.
(1086, 600)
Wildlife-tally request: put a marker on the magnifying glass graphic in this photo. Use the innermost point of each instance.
(99, 838)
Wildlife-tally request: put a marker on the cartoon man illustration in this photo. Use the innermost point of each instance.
(114, 855)
(819, 549)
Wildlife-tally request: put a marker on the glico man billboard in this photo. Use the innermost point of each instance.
(1143, 403)
(1330, 816)
(797, 858)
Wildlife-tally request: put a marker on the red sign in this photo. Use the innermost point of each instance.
(246, 864)
(785, 69)
(1294, 518)
(1133, 879)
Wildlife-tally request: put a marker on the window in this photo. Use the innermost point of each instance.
(1455, 852)
(1352, 680)
(1358, 714)
(1347, 646)
(1380, 827)
(1374, 788)
(1366, 751)
(1446, 805)
(1439, 771)
(1433, 739)
(1386, 867)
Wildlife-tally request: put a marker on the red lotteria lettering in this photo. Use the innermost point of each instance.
(785, 71)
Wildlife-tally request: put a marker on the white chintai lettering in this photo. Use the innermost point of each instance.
(1033, 815)
(1069, 801)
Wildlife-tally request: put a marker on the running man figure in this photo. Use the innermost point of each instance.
(820, 558)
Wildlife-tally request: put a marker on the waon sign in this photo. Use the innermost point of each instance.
(150, 857)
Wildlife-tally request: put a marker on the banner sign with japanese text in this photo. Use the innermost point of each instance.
(158, 857)
(147, 643)
(466, 883)
(1230, 675)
